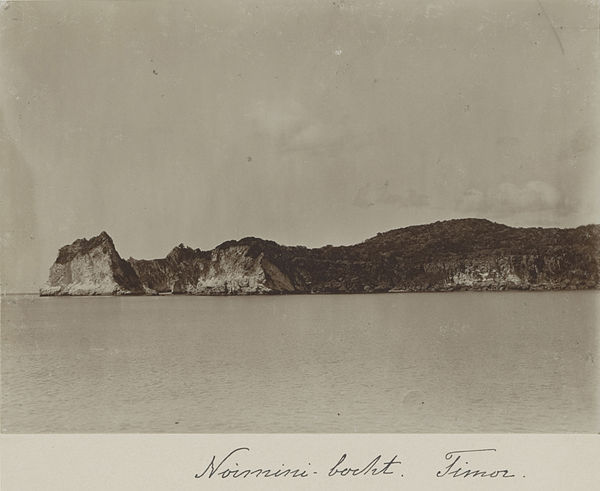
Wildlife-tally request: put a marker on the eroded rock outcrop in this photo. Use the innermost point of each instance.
(91, 267)
(230, 269)
(466, 254)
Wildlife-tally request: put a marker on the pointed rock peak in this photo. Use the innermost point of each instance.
(83, 246)
(179, 247)
(105, 237)
(181, 252)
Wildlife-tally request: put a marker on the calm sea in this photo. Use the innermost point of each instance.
(447, 362)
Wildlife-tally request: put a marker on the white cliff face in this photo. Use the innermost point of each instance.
(231, 271)
(483, 274)
(90, 273)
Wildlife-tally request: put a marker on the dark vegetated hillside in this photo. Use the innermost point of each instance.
(465, 254)
(426, 257)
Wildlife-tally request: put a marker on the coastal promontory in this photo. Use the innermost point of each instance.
(91, 267)
(463, 254)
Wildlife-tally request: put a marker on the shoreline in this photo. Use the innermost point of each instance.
(289, 294)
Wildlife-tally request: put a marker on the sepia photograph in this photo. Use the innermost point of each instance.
(337, 217)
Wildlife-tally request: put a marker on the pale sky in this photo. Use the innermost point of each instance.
(303, 122)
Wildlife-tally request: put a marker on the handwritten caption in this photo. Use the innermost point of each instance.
(453, 464)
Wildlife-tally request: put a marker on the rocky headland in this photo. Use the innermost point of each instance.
(465, 254)
(91, 267)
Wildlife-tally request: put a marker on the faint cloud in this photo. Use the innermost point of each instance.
(313, 134)
(473, 200)
(508, 197)
(291, 126)
(277, 119)
(510, 147)
(434, 10)
(581, 143)
(371, 195)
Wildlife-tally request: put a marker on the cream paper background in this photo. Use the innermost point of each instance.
(49, 185)
(169, 462)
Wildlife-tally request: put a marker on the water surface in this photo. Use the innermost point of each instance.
(423, 362)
